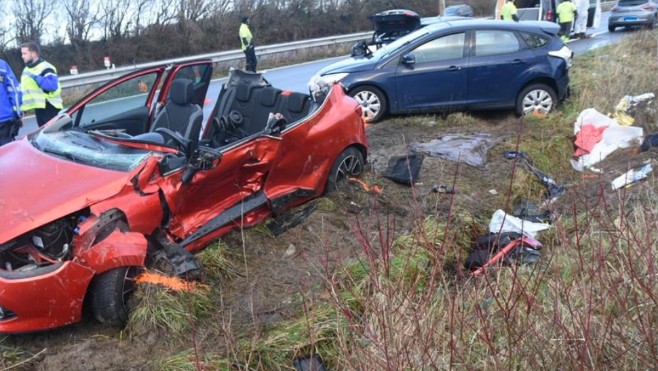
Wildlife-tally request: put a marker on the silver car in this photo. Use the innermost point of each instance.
(633, 13)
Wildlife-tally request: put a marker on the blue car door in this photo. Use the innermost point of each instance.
(498, 67)
(432, 75)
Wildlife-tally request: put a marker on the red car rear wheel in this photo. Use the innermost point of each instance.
(349, 163)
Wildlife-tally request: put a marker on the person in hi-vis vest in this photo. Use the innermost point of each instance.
(40, 85)
(247, 42)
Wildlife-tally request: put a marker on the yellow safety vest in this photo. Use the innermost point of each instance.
(33, 96)
(565, 11)
(508, 10)
(245, 33)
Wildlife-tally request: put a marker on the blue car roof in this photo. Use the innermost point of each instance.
(469, 23)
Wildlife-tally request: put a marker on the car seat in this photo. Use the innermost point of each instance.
(179, 114)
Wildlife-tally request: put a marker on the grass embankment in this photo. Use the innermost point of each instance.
(592, 301)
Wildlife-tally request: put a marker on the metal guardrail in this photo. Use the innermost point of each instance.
(101, 76)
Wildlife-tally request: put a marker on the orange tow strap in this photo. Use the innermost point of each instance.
(375, 188)
(169, 282)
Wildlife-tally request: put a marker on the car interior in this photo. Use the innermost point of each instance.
(179, 117)
(246, 108)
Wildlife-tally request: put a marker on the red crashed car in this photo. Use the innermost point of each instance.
(131, 174)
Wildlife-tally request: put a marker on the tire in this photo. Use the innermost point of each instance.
(652, 24)
(110, 292)
(372, 101)
(538, 98)
(611, 28)
(348, 164)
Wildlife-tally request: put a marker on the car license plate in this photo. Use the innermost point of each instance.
(630, 18)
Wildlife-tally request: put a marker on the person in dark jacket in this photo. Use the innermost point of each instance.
(10, 102)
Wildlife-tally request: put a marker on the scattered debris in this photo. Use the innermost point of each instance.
(612, 137)
(404, 169)
(469, 149)
(289, 220)
(649, 141)
(631, 176)
(375, 188)
(526, 210)
(554, 189)
(309, 363)
(507, 247)
(291, 251)
(503, 222)
(627, 106)
(493, 191)
(448, 189)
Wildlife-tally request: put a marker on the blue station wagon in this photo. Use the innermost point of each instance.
(460, 65)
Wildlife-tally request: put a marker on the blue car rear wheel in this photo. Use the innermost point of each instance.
(372, 101)
(536, 99)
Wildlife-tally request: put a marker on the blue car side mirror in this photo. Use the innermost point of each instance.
(408, 59)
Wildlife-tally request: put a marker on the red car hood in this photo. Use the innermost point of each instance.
(36, 188)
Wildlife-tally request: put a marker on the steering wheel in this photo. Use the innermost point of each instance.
(170, 134)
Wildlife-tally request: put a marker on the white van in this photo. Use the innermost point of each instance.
(544, 10)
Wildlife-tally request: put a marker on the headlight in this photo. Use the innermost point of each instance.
(332, 78)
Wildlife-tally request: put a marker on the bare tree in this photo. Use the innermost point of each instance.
(141, 8)
(5, 29)
(115, 18)
(165, 12)
(80, 20)
(30, 17)
(193, 10)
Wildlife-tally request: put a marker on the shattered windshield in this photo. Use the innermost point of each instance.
(86, 149)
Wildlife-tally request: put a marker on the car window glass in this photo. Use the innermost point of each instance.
(194, 73)
(123, 97)
(632, 2)
(534, 40)
(443, 48)
(492, 42)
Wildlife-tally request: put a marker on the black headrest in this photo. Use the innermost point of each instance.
(181, 91)
(296, 102)
(268, 96)
(242, 92)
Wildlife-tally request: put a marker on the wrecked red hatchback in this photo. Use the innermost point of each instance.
(133, 174)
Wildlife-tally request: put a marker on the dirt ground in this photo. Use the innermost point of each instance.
(281, 273)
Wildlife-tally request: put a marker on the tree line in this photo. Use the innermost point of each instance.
(82, 32)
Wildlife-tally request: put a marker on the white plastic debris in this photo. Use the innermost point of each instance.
(614, 137)
(503, 222)
(631, 176)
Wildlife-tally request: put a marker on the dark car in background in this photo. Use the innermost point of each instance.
(459, 10)
(393, 24)
(628, 13)
(460, 65)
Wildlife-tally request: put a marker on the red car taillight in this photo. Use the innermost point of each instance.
(549, 16)
(647, 7)
(614, 10)
(358, 110)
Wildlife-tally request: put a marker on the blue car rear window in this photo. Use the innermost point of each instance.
(534, 40)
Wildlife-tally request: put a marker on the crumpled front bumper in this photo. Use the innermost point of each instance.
(43, 298)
